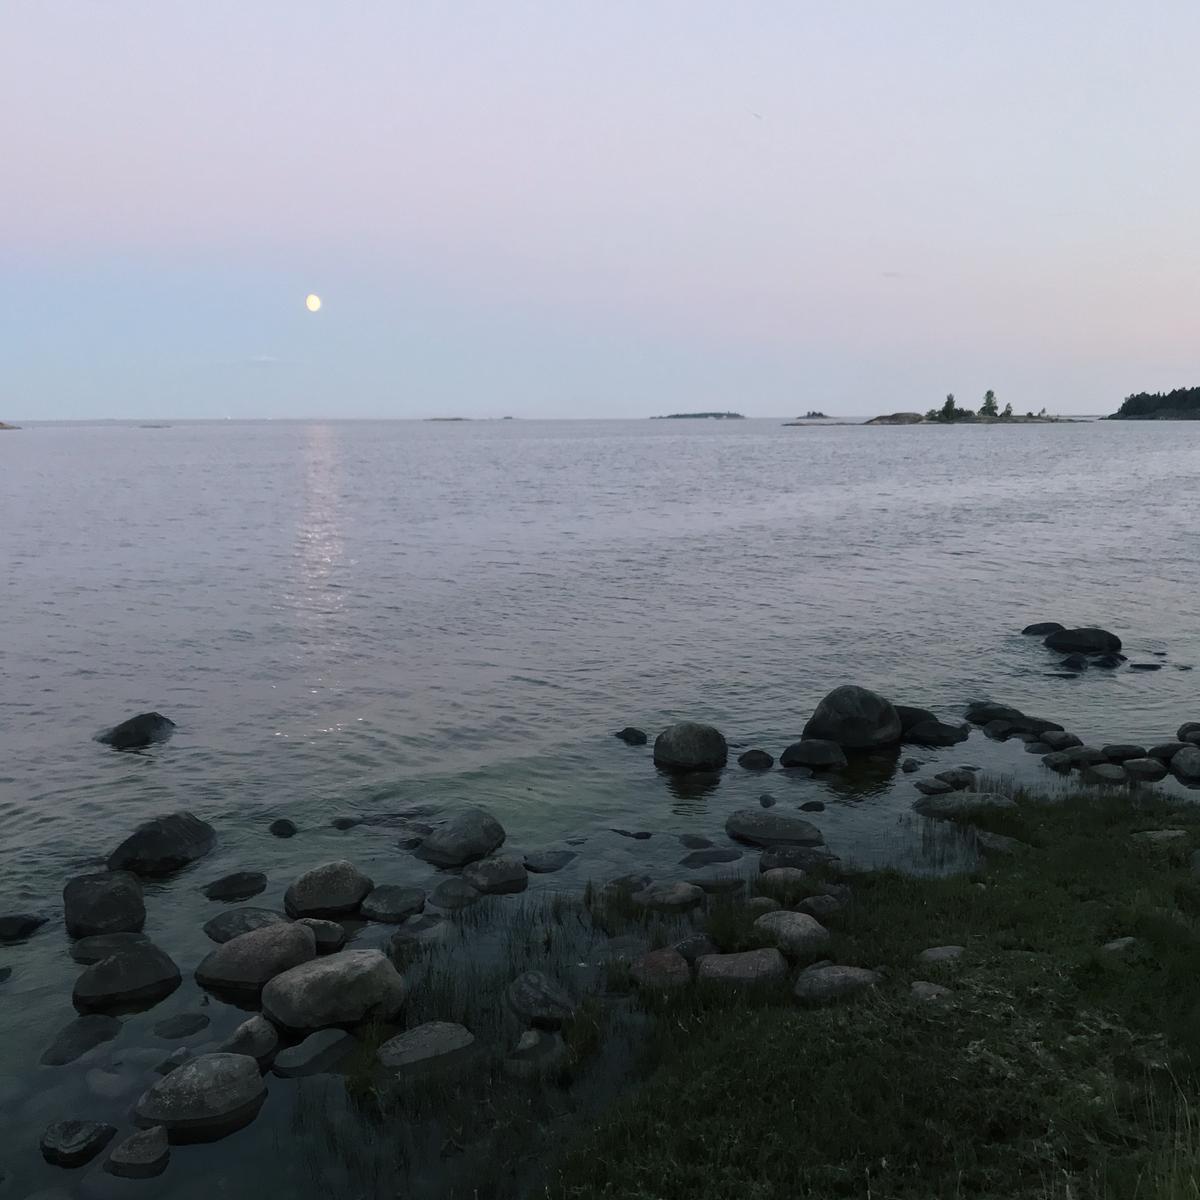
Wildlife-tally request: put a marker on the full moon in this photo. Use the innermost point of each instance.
(312, 302)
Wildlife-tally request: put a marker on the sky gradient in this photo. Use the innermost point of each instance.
(587, 209)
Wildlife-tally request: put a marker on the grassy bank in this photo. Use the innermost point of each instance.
(1058, 1069)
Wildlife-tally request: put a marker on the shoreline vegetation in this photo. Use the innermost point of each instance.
(701, 416)
(1180, 404)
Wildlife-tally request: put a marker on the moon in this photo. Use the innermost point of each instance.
(312, 302)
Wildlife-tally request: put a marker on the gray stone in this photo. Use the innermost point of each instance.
(854, 718)
(241, 885)
(1187, 731)
(1145, 770)
(317, 1054)
(433, 1046)
(930, 993)
(984, 712)
(163, 845)
(1059, 739)
(454, 893)
(758, 905)
(692, 841)
(1084, 756)
(470, 833)
(911, 716)
(812, 806)
(142, 1155)
(545, 862)
(936, 733)
(1120, 751)
(342, 989)
(806, 858)
(961, 779)
(1058, 760)
(282, 828)
(1037, 747)
(750, 968)
(669, 897)
(821, 907)
(1185, 765)
(138, 732)
(236, 921)
(828, 984)
(767, 800)
(941, 955)
(538, 1054)
(661, 970)
(246, 963)
(206, 1098)
(995, 845)
(538, 1000)
(782, 880)
(933, 787)
(15, 927)
(1165, 751)
(909, 766)
(706, 858)
(496, 876)
(137, 977)
(256, 1037)
(1104, 773)
(392, 904)
(329, 935)
(426, 927)
(716, 883)
(690, 746)
(631, 736)
(73, 1143)
(174, 1061)
(797, 934)
(817, 753)
(1084, 641)
(1120, 946)
(769, 828)
(1162, 837)
(959, 806)
(695, 946)
(756, 760)
(76, 1039)
(107, 902)
(92, 949)
(181, 1025)
(329, 890)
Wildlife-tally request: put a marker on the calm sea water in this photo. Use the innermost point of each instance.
(349, 618)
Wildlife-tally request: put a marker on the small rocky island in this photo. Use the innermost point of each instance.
(701, 416)
(1179, 404)
(5, 425)
(950, 413)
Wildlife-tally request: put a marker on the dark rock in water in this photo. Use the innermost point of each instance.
(1188, 732)
(855, 718)
(1085, 756)
(316, 1054)
(538, 1001)
(639, 836)
(174, 1060)
(73, 1143)
(984, 712)
(1037, 725)
(282, 828)
(936, 733)
(454, 893)
(1059, 739)
(76, 1039)
(1166, 750)
(1104, 773)
(818, 753)
(1185, 765)
(631, 736)
(999, 730)
(206, 1098)
(16, 926)
(329, 890)
(392, 904)
(812, 806)
(1025, 736)
(1074, 662)
(470, 833)
(1145, 770)
(1109, 662)
(690, 746)
(329, 935)
(256, 1037)
(246, 963)
(107, 902)
(910, 716)
(340, 989)
(759, 828)
(805, 858)
(163, 845)
(1037, 747)
(1145, 666)
(705, 858)
(143, 730)
(435, 1046)
(1083, 641)
(5, 974)
(932, 787)
(344, 823)
(767, 800)
(135, 978)
(1059, 675)
(544, 862)
(1058, 760)
(960, 779)
(181, 1025)
(142, 1155)
(241, 885)
(90, 950)
(236, 921)
(1043, 628)
(1119, 752)
(692, 841)
(756, 760)
(496, 876)
(909, 765)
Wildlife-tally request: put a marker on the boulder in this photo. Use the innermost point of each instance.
(707, 858)
(1185, 765)
(759, 827)
(1119, 752)
(855, 718)
(984, 712)
(138, 977)
(241, 885)
(206, 1098)
(933, 787)
(960, 779)
(316, 1054)
(433, 1046)
(138, 732)
(821, 907)
(256, 1037)
(782, 880)
(1104, 773)
(1188, 732)
(496, 876)
(936, 733)
(661, 970)
(1084, 756)
(282, 828)
(244, 964)
(181, 1025)
(807, 858)
(15, 927)
(1165, 751)
(1058, 760)
(1059, 739)
(812, 806)
(328, 890)
(545, 862)
(537, 1055)
(537, 1000)
(690, 746)
(817, 753)
(940, 955)
(999, 731)
(163, 845)
(909, 766)
(107, 902)
(142, 1155)
(930, 993)
(797, 934)
(756, 760)
(73, 1143)
(910, 716)
(696, 945)
(1043, 628)
(392, 904)
(90, 950)
(959, 806)
(750, 968)
(631, 736)
(1083, 641)
(76, 1039)
(767, 800)
(825, 985)
(341, 989)
(236, 921)
(454, 893)
(1145, 770)
(1074, 662)
(669, 897)
(470, 833)
(329, 935)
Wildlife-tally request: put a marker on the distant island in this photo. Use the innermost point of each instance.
(706, 416)
(950, 413)
(1181, 404)
(6, 426)
(447, 418)
(813, 415)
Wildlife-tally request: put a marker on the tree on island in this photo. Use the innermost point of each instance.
(949, 412)
(988, 407)
(1007, 413)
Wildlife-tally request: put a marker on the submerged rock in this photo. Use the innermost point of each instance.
(107, 902)
(960, 779)
(690, 746)
(817, 753)
(1084, 641)
(181, 1025)
(241, 885)
(103, 945)
(806, 858)
(316, 1054)
(76, 1039)
(434, 1046)
(756, 760)
(631, 736)
(392, 904)
(933, 787)
(936, 733)
(163, 845)
(544, 862)
(236, 921)
(73, 1143)
(706, 858)
(138, 732)
(206, 1098)
(537, 1000)
(329, 935)
(138, 977)
(760, 827)
(331, 889)
(142, 1155)
(282, 828)
(454, 893)
(669, 897)
(15, 927)
(339, 989)
(256, 1037)
(496, 876)
(470, 833)
(854, 718)
(247, 962)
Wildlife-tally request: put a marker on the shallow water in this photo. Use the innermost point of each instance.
(352, 618)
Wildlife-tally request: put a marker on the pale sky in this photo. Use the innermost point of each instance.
(613, 208)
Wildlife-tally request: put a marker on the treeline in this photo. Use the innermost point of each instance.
(989, 409)
(1181, 402)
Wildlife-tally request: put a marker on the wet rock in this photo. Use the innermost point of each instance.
(1084, 756)
(940, 955)
(933, 787)
(1058, 760)
(690, 746)
(138, 977)
(138, 732)
(911, 717)
(706, 858)
(76, 1039)
(470, 833)
(669, 897)
(392, 904)
(717, 883)
(329, 935)
(329, 890)
(1037, 747)
(107, 902)
(756, 760)
(959, 806)
(1145, 666)
(806, 858)
(1165, 751)
(984, 712)
(102, 945)
(829, 984)
(316, 1054)
(73, 1143)
(930, 993)
(631, 736)
(767, 828)
(1083, 641)
(537, 1055)
(909, 766)
(1043, 628)
(1108, 662)
(782, 880)
(1104, 773)
(1074, 662)
(5, 974)
(812, 806)
(1059, 739)
(1145, 770)
(424, 928)
(758, 905)
(236, 921)
(241, 885)
(750, 968)
(1188, 732)
(854, 718)
(995, 845)
(206, 1098)
(433, 1046)
(661, 970)
(244, 964)
(181, 1025)
(821, 907)
(545, 862)
(815, 753)
(497, 876)
(174, 1061)
(537, 1000)
(454, 893)
(798, 935)
(142, 1155)
(695, 946)
(344, 823)
(936, 733)
(282, 828)
(163, 845)
(1119, 752)
(16, 927)
(639, 836)
(256, 1037)
(338, 989)
(999, 731)
(766, 801)
(1185, 764)
(693, 842)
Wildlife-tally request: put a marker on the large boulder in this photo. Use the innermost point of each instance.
(817, 753)
(1083, 641)
(163, 845)
(143, 730)
(690, 746)
(107, 902)
(341, 989)
(247, 962)
(1185, 764)
(855, 718)
(133, 978)
(798, 935)
(470, 833)
(661, 970)
(327, 890)
(768, 827)
(206, 1098)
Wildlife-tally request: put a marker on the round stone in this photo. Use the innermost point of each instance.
(206, 1098)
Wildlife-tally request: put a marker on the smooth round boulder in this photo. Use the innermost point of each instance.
(206, 1098)
(256, 1037)
(496, 876)
(1188, 732)
(1074, 662)
(138, 732)
(135, 978)
(855, 718)
(163, 845)
(782, 881)
(236, 921)
(329, 890)
(76, 1039)
(1043, 628)
(631, 736)
(342, 989)
(816, 753)
(933, 787)
(1185, 765)
(281, 827)
(433, 1046)
(241, 885)
(392, 904)
(826, 985)
(538, 1001)
(73, 1143)
(798, 935)
(90, 950)
(245, 964)
(1165, 751)
(1120, 751)
(768, 827)
(468, 834)
(960, 779)
(756, 760)
(1089, 640)
(661, 970)
(1145, 770)
(106, 902)
(750, 968)
(142, 1155)
(1058, 760)
(690, 746)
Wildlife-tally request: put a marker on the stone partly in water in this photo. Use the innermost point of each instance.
(1058, 760)
(909, 766)
(345, 988)
(241, 885)
(1120, 751)
(537, 1000)
(454, 893)
(73, 1143)
(545, 862)
(806, 858)
(1043, 628)
(236, 921)
(706, 858)
(958, 806)
(910, 716)
(206, 1098)
(1083, 641)
(392, 904)
(1059, 739)
(15, 927)
(316, 1054)
(538, 1054)
(933, 787)
(669, 897)
(90, 950)
(1165, 751)
(1145, 770)
(281, 827)
(661, 970)
(107, 902)
(163, 845)
(331, 889)
(631, 736)
(496, 876)
(1074, 662)
(256, 1037)
(985, 712)
(435, 1046)
(817, 753)
(798, 935)
(1185, 765)
(135, 978)
(826, 985)
(142, 1155)
(756, 760)
(936, 733)
(1189, 732)
(468, 834)
(855, 718)
(246, 963)
(76, 1039)
(1104, 773)
(181, 1025)
(960, 779)
(138, 732)
(770, 828)
(750, 968)
(329, 935)
(690, 746)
